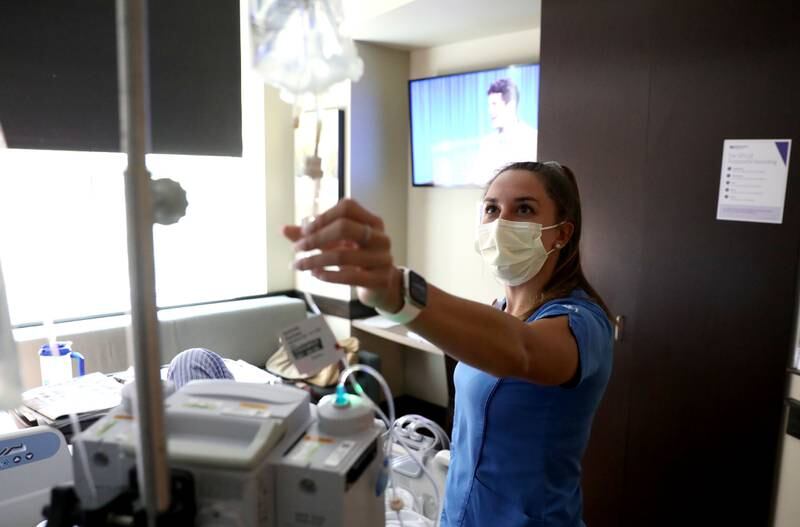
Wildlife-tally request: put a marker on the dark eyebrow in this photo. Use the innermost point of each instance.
(518, 200)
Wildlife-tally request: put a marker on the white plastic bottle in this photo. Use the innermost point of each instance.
(57, 367)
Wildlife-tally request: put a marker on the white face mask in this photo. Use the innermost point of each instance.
(513, 250)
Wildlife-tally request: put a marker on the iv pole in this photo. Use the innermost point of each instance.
(132, 58)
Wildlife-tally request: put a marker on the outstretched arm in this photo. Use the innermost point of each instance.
(352, 239)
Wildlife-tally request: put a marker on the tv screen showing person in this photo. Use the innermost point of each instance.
(465, 127)
(511, 138)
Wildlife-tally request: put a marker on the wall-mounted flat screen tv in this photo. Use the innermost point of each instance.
(465, 127)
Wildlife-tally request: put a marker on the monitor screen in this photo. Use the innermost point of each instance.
(465, 127)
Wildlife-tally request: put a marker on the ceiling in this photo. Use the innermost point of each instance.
(411, 24)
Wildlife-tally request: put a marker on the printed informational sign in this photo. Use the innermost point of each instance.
(753, 179)
(311, 345)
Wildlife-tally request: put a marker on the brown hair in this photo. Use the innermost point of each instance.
(562, 188)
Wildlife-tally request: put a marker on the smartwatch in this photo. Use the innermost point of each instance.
(415, 298)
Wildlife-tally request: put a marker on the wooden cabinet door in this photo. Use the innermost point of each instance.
(593, 118)
(716, 298)
(637, 97)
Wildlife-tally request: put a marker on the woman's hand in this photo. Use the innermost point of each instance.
(351, 238)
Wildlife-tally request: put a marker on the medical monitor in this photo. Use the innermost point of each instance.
(465, 127)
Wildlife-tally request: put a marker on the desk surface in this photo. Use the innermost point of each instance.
(381, 327)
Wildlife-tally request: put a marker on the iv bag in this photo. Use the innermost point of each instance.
(298, 45)
(9, 369)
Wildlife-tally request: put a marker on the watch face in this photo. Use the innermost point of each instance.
(417, 289)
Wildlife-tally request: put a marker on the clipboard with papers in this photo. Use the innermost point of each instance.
(88, 397)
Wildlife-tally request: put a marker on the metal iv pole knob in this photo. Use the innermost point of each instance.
(169, 201)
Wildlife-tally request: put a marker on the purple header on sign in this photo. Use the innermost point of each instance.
(783, 148)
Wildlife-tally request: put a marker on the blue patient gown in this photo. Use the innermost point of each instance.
(517, 446)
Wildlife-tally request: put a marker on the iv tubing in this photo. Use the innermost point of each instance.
(82, 455)
(390, 422)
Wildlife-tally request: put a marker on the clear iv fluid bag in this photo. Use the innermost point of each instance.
(298, 46)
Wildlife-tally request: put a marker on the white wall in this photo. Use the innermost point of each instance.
(441, 222)
(268, 149)
(379, 139)
(279, 172)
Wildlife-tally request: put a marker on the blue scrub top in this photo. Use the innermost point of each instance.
(517, 446)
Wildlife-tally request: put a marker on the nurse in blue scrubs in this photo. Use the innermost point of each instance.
(533, 366)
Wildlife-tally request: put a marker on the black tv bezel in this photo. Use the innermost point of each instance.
(411, 125)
